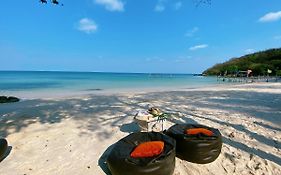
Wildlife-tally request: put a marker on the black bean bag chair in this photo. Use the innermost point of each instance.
(3, 147)
(120, 162)
(198, 148)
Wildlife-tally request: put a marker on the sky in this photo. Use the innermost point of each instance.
(154, 36)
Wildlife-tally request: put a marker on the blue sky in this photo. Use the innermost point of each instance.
(169, 36)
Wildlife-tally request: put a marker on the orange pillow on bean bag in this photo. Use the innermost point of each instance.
(195, 131)
(148, 149)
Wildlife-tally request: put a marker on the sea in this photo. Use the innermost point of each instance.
(33, 83)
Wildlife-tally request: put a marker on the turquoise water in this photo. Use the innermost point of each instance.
(31, 81)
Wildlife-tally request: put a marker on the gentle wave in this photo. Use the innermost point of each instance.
(95, 81)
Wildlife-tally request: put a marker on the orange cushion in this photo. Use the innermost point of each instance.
(148, 149)
(195, 131)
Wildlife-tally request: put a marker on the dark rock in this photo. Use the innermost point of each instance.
(5, 99)
(94, 89)
(13, 99)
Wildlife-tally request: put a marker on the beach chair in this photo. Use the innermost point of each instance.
(3, 148)
(138, 154)
(196, 143)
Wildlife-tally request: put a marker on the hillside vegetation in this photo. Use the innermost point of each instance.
(259, 63)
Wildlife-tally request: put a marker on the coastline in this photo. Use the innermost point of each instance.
(38, 84)
(69, 134)
(64, 93)
(69, 93)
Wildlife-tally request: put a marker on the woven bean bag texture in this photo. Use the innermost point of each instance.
(3, 147)
(120, 161)
(198, 148)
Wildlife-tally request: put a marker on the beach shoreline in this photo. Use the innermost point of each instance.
(70, 134)
(66, 93)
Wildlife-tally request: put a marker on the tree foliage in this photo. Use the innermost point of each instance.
(56, 2)
(258, 62)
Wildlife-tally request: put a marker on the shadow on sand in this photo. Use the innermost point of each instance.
(130, 127)
(100, 112)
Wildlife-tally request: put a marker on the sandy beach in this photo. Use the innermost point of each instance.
(73, 135)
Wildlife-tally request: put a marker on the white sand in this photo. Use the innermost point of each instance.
(69, 135)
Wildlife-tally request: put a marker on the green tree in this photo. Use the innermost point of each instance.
(259, 62)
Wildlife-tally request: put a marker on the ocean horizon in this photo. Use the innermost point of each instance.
(14, 82)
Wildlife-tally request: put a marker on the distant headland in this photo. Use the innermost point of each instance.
(261, 63)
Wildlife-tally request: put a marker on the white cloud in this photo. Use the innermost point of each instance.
(248, 51)
(87, 25)
(270, 17)
(112, 5)
(154, 59)
(160, 7)
(178, 5)
(183, 59)
(201, 46)
(191, 33)
(278, 37)
(180, 60)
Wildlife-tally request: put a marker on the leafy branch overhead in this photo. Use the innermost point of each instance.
(51, 1)
(198, 2)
